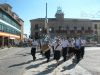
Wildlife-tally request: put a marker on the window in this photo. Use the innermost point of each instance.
(4, 28)
(75, 28)
(82, 28)
(95, 26)
(60, 27)
(0, 14)
(7, 29)
(36, 26)
(9, 20)
(67, 28)
(89, 28)
(6, 9)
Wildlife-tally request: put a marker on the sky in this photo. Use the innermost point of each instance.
(32, 9)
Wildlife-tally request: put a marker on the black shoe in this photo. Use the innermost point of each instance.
(34, 59)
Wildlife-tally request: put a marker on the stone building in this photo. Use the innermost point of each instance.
(90, 29)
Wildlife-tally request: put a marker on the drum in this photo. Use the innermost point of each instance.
(45, 48)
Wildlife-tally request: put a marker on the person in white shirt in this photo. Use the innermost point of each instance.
(52, 45)
(71, 50)
(64, 44)
(57, 50)
(83, 43)
(47, 52)
(33, 49)
(77, 43)
(77, 48)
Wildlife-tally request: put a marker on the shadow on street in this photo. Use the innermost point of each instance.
(49, 69)
(36, 65)
(21, 64)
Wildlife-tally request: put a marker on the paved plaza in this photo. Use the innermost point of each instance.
(18, 61)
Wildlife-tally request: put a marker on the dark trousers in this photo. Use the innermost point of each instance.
(82, 52)
(47, 55)
(33, 52)
(57, 55)
(71, 51)
(64, 53)
(53, 49)
(77, 53)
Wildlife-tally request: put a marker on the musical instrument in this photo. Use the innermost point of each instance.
(45, 48)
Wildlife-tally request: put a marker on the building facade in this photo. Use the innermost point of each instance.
(66, 27)
(11, 26)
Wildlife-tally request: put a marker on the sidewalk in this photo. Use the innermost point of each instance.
(40, 67)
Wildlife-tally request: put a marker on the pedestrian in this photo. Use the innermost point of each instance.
(64, 44)
(46, 50)
(57, 50)
(33, 49)
(71, 50)
(52, 45)
(77, 48)
(83, 43)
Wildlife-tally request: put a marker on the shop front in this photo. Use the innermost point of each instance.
(8, 39)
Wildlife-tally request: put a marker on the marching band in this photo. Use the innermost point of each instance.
(65, 47)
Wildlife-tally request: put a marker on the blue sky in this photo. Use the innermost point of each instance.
(32, 9)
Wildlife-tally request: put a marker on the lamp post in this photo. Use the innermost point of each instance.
(46, 24)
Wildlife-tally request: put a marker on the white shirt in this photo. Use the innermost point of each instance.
(59, 47)
(83, 42)
(77, 42)
(53, 43)
(65, 43)
(34, 44)
(71, 43)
